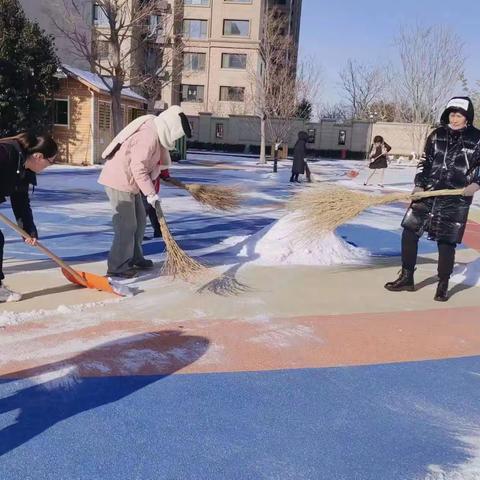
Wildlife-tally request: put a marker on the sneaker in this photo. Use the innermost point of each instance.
(143, 264)
(130, 273)
(7, 295)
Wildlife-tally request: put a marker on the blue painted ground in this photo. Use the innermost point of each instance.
(386, 422)
(88, 238)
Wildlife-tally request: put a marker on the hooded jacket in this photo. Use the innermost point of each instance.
(451, 160)
(14, 183)
(138, 154)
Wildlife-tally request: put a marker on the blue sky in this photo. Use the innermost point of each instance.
(333, 31)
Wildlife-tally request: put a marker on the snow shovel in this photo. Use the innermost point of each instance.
(84, 279)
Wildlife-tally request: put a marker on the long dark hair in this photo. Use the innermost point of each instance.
(31, 143)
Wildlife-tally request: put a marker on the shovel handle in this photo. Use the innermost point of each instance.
(45, 250)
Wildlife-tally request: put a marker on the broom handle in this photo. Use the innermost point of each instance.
(175, 182)
(159, 212)
(45, 250)
(437, 193)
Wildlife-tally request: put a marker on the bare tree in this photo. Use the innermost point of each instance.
(474, 94)
(336, 111)
(125, 34)
(278, 85)
(431, 65)
(363, 86)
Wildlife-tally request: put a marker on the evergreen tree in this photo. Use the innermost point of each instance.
(27, 66)
(304, 109)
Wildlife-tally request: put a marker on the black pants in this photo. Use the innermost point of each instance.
(152, 215)
(294, 177)
(2, 243)
(446, 254)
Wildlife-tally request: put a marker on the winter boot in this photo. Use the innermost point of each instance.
(441, 294)
(7, 295)
(404, 282)
(130, 273)
(143, 264)
(292, 178)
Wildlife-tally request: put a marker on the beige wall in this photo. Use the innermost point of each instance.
(245, 130)
(404, 138)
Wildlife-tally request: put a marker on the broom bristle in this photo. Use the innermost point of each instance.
(177, 262)
(219, 198)
(325, 209)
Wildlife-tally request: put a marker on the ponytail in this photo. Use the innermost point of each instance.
(31, 143)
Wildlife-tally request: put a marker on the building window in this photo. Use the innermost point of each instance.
(196, 2)
(155, 24)
(192, 93)
(104, 116)
(151, 60)
(232, 94)
(342, 137)
(134, 113)
(311, 135)
(194, 61)
(99, 16)
(237, 1)
(195, 28)
(238, 28)
(234, 60)
(61, 114)
(219, 130)
(102, 49)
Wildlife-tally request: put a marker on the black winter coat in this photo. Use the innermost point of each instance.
(451, 160)
(299, 153)
(14, 183)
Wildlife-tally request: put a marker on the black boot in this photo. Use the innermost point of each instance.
(292, 178)
(442, 289)
(404, 282)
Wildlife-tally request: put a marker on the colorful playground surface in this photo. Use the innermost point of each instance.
(296, 371)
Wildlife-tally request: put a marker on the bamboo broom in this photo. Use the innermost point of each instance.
(219, 198)
(177, 262)
(326, 209)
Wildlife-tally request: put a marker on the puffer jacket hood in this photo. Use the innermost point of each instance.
(462, 104)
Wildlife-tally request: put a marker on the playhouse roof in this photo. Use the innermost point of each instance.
(95, 81)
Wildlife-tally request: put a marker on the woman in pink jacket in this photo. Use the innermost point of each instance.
(135, 158)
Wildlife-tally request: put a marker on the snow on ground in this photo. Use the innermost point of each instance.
(282, 243)
(74, 219)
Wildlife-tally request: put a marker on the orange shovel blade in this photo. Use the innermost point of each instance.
(90, 280)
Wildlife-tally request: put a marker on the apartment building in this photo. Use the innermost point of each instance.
(221, 57)
(221, 61)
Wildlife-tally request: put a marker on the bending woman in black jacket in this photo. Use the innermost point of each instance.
(21, 157)
(451, 160)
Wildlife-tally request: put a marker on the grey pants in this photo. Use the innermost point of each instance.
(129, 221)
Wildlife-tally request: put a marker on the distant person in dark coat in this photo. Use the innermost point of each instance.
(451, 161)
(378, 158)
(299, 166)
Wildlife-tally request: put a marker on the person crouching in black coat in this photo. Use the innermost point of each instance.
(21, 157)
(451, 161)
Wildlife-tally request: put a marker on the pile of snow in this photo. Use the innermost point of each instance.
(467, 273)
(283, 243)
